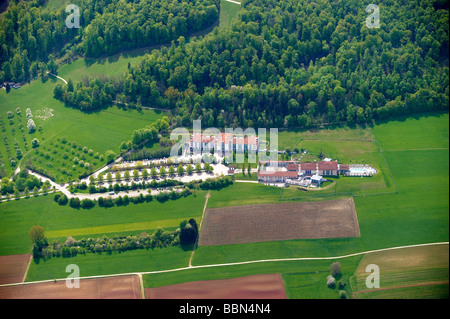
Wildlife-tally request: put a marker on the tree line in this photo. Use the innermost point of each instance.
(186, 234)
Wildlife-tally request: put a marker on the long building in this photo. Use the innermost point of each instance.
(224, 143)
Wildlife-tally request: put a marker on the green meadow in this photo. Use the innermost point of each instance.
(99, 131)
(228, 11)
(59, 222)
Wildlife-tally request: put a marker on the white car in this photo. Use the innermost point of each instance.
(112, 193)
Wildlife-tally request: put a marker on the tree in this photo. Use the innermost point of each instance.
(198, 168)
(180, 170)
(31, 126)
(331, 282)
(110, 156)
(135, 173)
(109, 177)
(118, 176)
(171, 171)
(36, 233)
(153, 172)
(162, 171)
(126, 175)
(189, 233)
(35, 142)
(335, 269)
(189, 169)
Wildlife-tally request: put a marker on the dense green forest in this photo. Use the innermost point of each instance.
(285, 63)
(32, 36)
(294, 63)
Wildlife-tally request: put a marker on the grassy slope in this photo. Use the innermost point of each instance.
(99, 131)
(60, 222)
(228, 11)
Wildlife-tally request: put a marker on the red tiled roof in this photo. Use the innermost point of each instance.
(291, 174)
(292, 167)
(328, 166)
(308, 166)
(344, 167)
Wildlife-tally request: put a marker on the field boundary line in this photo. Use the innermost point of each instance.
(199, 228)
(400, 287)
(387, 166)
(231, 264)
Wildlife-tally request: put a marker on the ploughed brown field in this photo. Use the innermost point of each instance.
(269, 222)
(266, 286)
(124, 287)
(12, 268)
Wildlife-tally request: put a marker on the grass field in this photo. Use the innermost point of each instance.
(59, 222)
(98, 131)
(98, 264)
(228, 11)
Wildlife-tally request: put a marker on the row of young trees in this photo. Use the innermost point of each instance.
(296, 63)
(185, 235)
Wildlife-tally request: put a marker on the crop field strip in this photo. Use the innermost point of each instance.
(268, 222)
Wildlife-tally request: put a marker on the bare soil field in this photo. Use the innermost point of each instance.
(265, 286)
(269, 222)
(125, 287)
(12, 268)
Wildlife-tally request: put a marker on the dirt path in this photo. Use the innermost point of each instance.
(199, 228)
(57, 77)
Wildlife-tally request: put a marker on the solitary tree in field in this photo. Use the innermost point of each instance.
(335, 269)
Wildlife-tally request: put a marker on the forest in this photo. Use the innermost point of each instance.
(32, 36)
(281, 64)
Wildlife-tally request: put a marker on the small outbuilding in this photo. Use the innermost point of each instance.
(316, 180)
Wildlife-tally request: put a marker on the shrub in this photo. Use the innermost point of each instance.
(63, 200)
(87, 203)
(56, 197)
(74, 202)
(342, 294)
